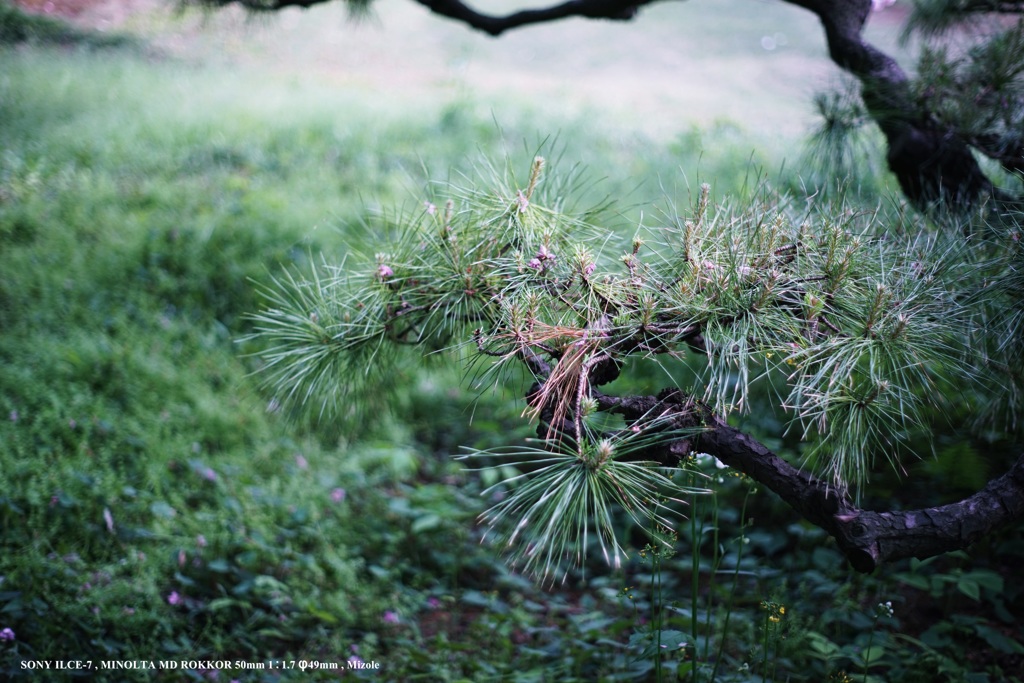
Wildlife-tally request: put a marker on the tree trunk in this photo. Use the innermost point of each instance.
(933, 166)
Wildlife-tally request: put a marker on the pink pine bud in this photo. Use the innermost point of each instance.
(522, 200)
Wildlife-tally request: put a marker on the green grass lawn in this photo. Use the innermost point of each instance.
(158, 504)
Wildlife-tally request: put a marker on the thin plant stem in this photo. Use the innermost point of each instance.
(775, 658)
(867, 650)
(694, 578)
(764, 650)
(732, 592)
(716, 559)
(656, 607)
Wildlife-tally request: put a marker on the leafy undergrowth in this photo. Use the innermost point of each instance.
(157, 505)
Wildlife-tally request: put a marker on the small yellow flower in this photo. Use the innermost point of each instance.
(775, 610)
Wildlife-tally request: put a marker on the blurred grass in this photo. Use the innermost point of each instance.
(752, 63)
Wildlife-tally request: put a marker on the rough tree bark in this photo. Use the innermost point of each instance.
(867, 538)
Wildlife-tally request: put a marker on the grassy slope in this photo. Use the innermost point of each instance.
(140, 195)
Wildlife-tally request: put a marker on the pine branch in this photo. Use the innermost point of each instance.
(867, 538)
(931, 18)
(619, 10)
(268, 5)
(495, 25)
(863, 334)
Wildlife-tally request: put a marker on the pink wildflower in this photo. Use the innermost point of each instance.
(338, 495)
(391, 617)
(174, 598)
